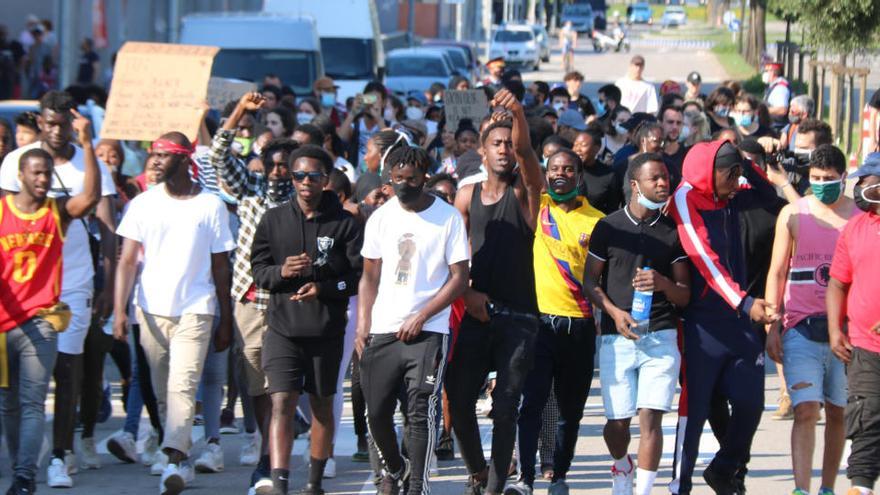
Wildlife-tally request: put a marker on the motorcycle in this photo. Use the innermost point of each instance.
(617, 42)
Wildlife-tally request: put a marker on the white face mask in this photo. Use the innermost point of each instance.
(765, 78)
(432, 127)
(389, 114)
(414, 113)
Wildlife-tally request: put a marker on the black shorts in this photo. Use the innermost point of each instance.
(308, 364)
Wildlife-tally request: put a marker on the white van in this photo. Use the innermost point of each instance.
(255, 44)
(352, 44)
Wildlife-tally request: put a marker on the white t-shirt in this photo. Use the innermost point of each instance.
(78, 271)
(638, 96)
(779, 97)
(416, 250)
(178, 237)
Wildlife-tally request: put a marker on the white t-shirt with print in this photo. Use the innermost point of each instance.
(637, 95)
(178, 238)
(78, 271)
(416, 249)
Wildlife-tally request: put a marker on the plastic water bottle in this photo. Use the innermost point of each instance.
(641, 309)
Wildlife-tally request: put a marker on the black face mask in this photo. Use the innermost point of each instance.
(279, 189)
(861, 202)
(406, 193)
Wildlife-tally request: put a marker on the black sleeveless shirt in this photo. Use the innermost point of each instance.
(501, 243)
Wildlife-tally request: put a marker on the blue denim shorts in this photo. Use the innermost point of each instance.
(812, 372)
(638, 374)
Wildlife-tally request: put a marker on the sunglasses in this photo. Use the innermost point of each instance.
(313, 176)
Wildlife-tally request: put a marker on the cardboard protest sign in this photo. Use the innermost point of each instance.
(157, 88)
(222, 90)
(468, 104)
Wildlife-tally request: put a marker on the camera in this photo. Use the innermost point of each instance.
(789, 161)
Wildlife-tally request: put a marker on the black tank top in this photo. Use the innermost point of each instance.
(502, 241)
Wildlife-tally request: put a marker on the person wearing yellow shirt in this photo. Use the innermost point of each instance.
(566, 339)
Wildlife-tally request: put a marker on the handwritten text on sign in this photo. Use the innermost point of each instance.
(158, 88)
(468, 104)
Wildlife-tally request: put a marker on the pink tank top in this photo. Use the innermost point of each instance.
(808, 272)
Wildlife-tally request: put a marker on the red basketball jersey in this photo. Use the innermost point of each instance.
(30, 261)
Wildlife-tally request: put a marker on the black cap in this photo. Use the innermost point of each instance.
(728, 157)
(694, 78)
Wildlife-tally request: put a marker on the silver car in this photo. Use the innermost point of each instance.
(416, 69)
(673, 16)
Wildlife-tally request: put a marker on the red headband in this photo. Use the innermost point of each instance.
(168, 146)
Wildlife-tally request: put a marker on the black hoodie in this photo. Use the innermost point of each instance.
(333, 240)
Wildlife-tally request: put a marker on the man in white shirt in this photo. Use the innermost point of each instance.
(636, 94)
(184, 235)
(415, 264)
(777, 96)
(77, 286)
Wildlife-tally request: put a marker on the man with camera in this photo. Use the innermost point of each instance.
(786, 169)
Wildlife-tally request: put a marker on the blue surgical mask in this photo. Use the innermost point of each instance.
(621, 130)
(599, 106)
(721, 111)
(328, 100)
(528, 99)
(743, 120)
(684, 134)
(304, 118)
(647, 203)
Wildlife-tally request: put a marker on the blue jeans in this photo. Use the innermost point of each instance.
(31, 349)
(211, 388)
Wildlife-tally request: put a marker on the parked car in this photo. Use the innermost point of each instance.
(543, 39)
(416, 69)
(459, 60)
(640, 13)
(673, 16)
(518, 46)
(469, 50)
(580, 15)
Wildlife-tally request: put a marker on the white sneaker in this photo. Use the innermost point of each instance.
(211, 460)
(57, 476)
(174, 478)
(151, 449)
(433, 470)
(89, 454)
(70, 463)
(158, 467)
(330, 469)
(622, 481)
(250, 451)
(122, 446)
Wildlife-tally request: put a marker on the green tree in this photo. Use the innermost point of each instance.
(840, 26)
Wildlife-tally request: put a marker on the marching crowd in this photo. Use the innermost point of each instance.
(663, 241)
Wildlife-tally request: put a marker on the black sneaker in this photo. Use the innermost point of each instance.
(719, 482)
(311, 489)
(445, 450)
(22, 486)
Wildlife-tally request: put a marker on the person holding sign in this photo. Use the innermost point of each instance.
(501, 324)
(32, 233)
